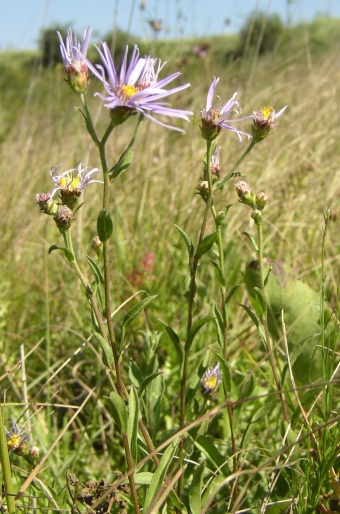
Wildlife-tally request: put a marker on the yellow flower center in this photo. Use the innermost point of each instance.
(210, 383)
(266, 112)
(14, 441)
(70, 183)
(128, 91)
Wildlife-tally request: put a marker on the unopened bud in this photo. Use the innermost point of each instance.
(261, 201)
(47, 204)
(64, 218)
(203, 188)
(34, 452)
(97, 246)
(246, 194)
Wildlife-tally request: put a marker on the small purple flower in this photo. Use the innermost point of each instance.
(211, 379)
(213, 119)
(137, 88)
(16, 439)
(73, 55)
(264, 122)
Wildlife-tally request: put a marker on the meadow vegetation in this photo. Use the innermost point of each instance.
(53, 368)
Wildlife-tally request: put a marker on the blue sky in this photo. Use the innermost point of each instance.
(22, 20)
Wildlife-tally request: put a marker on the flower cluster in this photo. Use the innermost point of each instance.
(70, 183)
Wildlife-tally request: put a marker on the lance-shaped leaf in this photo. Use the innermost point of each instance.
(132, 424)
(175, 341)
(205, 245)
(195, 490)
(107, 354)
(69, 255)
(118, 410)
(194, 329)
(104, 226)
(187, 241)
(123, 163)
(134, 312)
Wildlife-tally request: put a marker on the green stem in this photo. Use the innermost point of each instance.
(231, 173)
(6, 467)
(265, 322)
(108, 314)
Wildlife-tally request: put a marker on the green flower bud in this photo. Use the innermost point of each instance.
(246, 194)
(261, 201)
(47, 204)
(64, 218)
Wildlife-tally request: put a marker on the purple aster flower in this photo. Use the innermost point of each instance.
(71, 183)
(73, 55)
(213, 119)
(16, 439)
(264, 122)
(211, 379)
(137, 88)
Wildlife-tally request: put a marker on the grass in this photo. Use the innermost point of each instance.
(54, 379)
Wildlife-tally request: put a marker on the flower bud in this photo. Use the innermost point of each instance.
(246, 194)
(64, 218)
(34, 452)
(47, 204)
(203, 188)
(97, 246)
(261, 200)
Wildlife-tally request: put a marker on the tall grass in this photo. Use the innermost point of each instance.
(53, 377)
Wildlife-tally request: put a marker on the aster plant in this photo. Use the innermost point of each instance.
(138, 88)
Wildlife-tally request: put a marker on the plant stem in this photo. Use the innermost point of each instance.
(265, 323)
(6, 467)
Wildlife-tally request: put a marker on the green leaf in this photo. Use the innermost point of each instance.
(143, 478)
(95, 269)
(132, 424)
(135, 374)
(205, 245)
(205, 445)
(122, 165)
(219, 274)
(219, 326)
(177, 502)
(175, 341)
(196, 489)
(253, 242)
(104, 226)
(107, 355)
(118, 410)
(134, 312)
(231, 293)
(193, 331)
(147, 381)
(158, 476)
(69, 255)
(187, 241)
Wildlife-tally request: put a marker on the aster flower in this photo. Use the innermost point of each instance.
(214, 119)
(16, 439)
(264, 122)
(71, 183)
(137, 88)
(211, 379)
(73, 55)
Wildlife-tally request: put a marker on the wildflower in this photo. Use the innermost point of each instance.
(73, 55)
(71, 183)
(137, 89)
(211, 379)
(214, 119)
(261, 201)
(16, 439)
(264, 122)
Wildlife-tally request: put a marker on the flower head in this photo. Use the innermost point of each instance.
(211, 379)
(264, 122)
(214, 119)
(137, 87)
(73, 55)
(70, 183)
(16, 439)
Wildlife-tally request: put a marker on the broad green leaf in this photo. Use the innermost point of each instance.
(253, 242)
(104, 226)
(107, 354)
(187, 241)
(69, 255)
(219, 274)
(205, 245)
(134, 312)
(123, 163)
(194, 329)
(158, 476)
(175, 341)
(195, 490)
(118, 410)
(132, 424)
